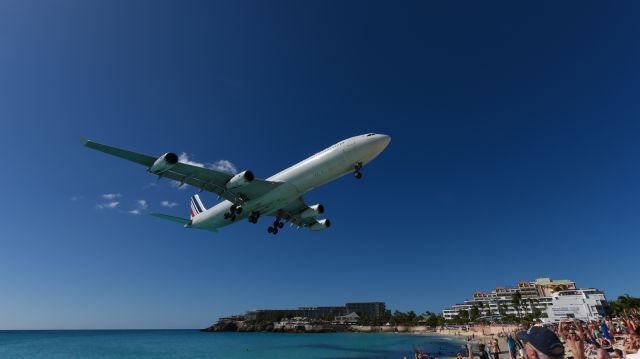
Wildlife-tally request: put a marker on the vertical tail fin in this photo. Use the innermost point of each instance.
(196, 206)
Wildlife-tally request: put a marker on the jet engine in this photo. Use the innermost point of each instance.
(164, 163)
(240, 180)
(320, 225)
(312, 211)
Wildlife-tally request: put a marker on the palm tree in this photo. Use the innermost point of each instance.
(515, 301)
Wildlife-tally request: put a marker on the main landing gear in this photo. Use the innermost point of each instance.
(277, 224)
(253, 217)
(356, 173)
(233, 211)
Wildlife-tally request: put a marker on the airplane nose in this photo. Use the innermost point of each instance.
(380, 142)
(386, 139)
(383, 141)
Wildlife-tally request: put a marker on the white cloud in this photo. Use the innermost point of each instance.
(76, 198)
(224, 166)
(142, 204)
(111, 196)
(135, 212)
(178, 185)
(184, 158)
(108, 205)
(168, 204)
(220, 165)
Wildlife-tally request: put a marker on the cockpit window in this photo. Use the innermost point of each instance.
(371, 134)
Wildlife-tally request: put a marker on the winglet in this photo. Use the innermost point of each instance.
(83, 140)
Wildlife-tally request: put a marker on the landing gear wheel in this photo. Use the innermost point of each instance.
(356, 170)
(270, 229)
(253, 217)
(280, 225)
(275, 231)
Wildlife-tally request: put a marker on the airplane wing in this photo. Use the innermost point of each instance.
(204, 178)
(293, 213)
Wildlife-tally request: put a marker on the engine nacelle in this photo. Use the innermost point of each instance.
(240, 180)
(312, 211)
(164, 163)
(321, 225)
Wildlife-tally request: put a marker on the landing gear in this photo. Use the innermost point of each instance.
(277, 224)
(356, 173)
(253, 217)
(233, 211)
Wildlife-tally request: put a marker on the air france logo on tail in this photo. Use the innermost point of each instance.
(196, 206)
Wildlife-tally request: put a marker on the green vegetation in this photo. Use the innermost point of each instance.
(406, 318)
(622, 305)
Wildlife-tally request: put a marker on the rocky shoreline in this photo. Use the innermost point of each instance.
(245, 326)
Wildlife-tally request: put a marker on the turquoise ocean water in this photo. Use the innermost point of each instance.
(172, 344)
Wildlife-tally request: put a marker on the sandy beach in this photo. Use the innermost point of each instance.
(480, 335)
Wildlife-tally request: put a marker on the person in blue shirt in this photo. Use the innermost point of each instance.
(511, 343)
(605, 330)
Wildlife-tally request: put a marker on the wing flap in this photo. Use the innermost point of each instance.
(215, 181)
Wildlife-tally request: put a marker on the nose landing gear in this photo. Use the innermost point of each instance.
(277, 224)
(356, 173)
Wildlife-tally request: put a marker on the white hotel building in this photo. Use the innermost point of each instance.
(583, 304)
(557, 298)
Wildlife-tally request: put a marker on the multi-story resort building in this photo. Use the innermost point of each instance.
(371, 310)
(554, 299)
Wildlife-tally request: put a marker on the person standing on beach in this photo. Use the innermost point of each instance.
(495, 349)
(511, 343)
(482, 351)
(469, 351)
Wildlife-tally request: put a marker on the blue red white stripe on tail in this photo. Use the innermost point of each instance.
(196, 206)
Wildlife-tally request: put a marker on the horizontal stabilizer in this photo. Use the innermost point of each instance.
(186, 221)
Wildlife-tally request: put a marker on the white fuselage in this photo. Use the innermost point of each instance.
(326, 165)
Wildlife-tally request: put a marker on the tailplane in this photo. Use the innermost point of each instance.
(196, 206)
(185, 221)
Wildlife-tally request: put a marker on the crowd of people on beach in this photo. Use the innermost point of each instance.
(604, 339)
(608, 338)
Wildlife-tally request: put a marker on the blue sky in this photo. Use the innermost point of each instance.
(514, 153)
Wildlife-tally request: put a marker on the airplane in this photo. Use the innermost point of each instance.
(245, 196)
